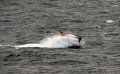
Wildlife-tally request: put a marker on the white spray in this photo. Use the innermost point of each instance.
(56, 41)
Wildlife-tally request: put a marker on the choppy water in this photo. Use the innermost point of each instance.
(29, 21)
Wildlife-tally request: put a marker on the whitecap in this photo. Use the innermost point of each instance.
(110, 21)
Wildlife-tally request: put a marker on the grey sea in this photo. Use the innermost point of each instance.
(29, 21)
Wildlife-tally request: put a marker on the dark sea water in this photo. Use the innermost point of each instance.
(29, 21)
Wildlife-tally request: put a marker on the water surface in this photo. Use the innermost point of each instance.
(28, 21)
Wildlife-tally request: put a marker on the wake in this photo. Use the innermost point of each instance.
(57, 41)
